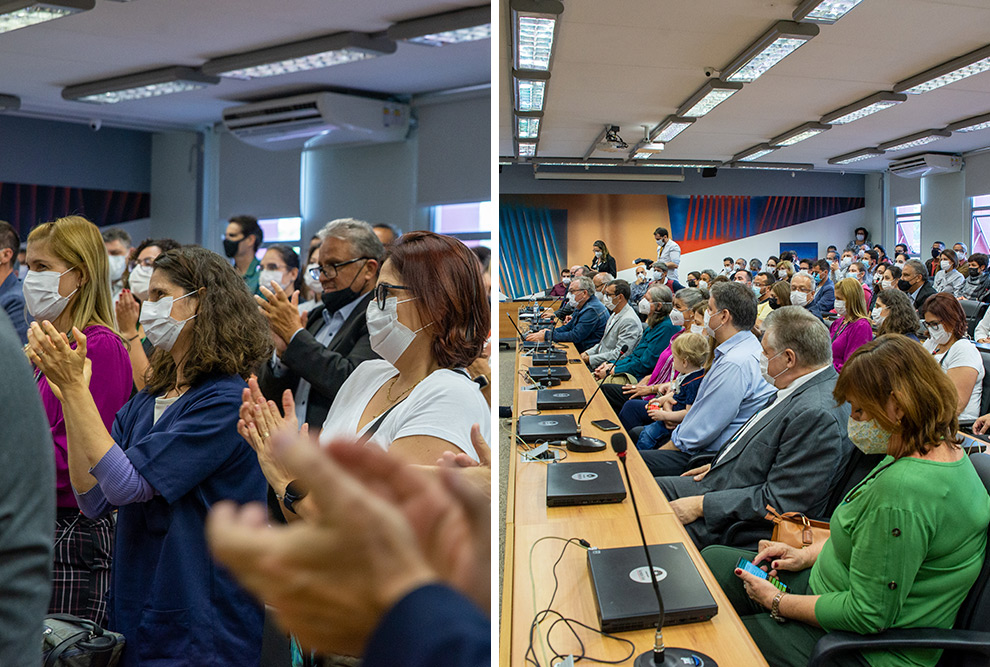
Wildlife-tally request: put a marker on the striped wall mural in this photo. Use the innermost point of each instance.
(24, 205)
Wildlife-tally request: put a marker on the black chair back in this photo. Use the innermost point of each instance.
(974, 614)
(985, 397)
(974, 311)
(857, 468)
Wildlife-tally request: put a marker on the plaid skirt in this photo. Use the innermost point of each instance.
(81, 573)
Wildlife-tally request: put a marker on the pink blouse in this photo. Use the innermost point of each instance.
(664, 370)
(847, 337)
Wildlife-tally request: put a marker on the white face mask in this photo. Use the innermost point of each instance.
(703, 284)
(641, 276)
(659, 275)
(598, 254)
(887, 284)
(945, 264)
(765, 368)
(846, 261)
(961, 256)
(566, 281)
(266, 277)
(311, 282)
(698, 329)
(782, 274)
(139, 280)
(899, 265)
(799, 298)
(41, 295)
(939, 334)
(572, 300)
(117, 265)
(840, 308)
(644, 306)
(156, 318)
(708, 328)
(389, 337)
(878, 318)
(677, 318)
(659, 242)
(607, 301)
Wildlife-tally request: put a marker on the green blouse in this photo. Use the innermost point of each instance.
(906, 546)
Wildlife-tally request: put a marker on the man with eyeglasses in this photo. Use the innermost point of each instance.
(313, 361)
(587, 324)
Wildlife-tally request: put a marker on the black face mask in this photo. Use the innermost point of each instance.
(692, 282)
(230, 247)
(335, 300)
(903, 285)
(935, 253)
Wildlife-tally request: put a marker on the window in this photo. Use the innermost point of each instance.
(981, 224)
(908, 221)
(471, 223)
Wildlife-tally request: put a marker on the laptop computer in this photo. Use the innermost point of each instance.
(559, 372)
(554, 358)
(544, 428)
(529, 344)
(587, 483)
(624, 593)
(560, 399)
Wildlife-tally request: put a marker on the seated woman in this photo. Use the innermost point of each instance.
(657, 307)
(172, 454)
(857, 271)
(852, 326)
(948, 279)
(907, 543)
(889, 275)
(955, 353)
(428, 321)
(895, 314)
(785, 270)
(691, 355)
(780, 295)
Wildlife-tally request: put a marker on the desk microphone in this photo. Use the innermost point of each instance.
(578, 443)
(660, 655)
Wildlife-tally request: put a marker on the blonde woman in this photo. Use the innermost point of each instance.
(68, 285)
(852, 328)
(785, 270)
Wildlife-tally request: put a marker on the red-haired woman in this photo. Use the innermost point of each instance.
(955, 353)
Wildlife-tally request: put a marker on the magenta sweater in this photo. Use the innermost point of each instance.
(847, 338)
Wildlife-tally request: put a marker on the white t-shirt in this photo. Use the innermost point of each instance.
(444, 405)
(963, 354)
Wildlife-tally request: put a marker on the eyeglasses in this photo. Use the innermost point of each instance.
(930, 325)
(381, 293)
(331, 270)
(146, 262)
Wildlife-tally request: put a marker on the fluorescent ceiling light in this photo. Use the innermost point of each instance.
(139, 86)
(773, 166)
(534, 26)
(800, 133)
(9, 103)
(971, 124)
(856, 156)
(972, 63)
(528, 127)
(780, 41)
(526, 148)
(669, 128)
(530, 89)
(23, 13)
(309, 54)
(864, 107)
(823, 11)
(457, 27)
(754, 153)
(616, 162)
(645, 153)
(709, 96)
(914, 140)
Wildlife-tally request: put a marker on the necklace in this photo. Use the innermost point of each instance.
(388, 390)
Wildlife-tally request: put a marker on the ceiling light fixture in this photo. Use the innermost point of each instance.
(530, 89)
(774, 45)
(914, 140)
(856, 156)
(534, 27)
(528, 125)
(526, 148)
(709, 96)
(862, 108)
(773, 166)
(964, 66)
(457, 27)
(823, 11)
(9, 103)
(971, 124)
(669, 128)
(754, 153)
(139, 86)
(799, 133)
(23, 13)
(303, 56)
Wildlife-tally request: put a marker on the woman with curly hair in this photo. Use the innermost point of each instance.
(894, 313)
(173, 452)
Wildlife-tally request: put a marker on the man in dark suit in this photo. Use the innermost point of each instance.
(824, 299)
(11, 292)
(914, 282)
(789, 454)
(313, 361)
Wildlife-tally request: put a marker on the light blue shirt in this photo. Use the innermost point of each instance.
(324, 336)
(732, 392)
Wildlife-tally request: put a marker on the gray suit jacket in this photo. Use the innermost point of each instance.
(790, 459)
(622, 328)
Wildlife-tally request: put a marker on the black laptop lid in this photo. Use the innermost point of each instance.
(560, 399)
(575, 483)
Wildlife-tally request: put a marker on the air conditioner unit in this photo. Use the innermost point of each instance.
(926, 164)
(318, 119)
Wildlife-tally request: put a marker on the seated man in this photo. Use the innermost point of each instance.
(560, 289)
(586, 326)
(824, 299)
(623, 327)
(732, 391)
(802, 289)
(789, 455)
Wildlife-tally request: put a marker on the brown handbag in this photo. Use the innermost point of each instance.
(796, 529)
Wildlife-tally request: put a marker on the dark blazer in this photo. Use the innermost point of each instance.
(926, 291)
(824, 300)
(325, 368)
(12, 301)
(791, 459)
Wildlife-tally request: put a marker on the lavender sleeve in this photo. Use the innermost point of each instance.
(92, 503)
(119, 480)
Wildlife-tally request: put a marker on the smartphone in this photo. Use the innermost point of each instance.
(605, 425)
(747, 566)
(574, 361)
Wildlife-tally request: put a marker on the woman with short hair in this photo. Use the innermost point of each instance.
(785, 270)
(907, 543)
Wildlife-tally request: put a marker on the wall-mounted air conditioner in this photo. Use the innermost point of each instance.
(318, 119)
(926, 164)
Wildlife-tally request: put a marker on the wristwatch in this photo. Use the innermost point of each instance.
(293, 494)
(775, 608)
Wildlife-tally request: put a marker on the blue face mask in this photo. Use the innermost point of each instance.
(818, 278)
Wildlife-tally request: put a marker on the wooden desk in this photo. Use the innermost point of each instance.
(724, 637)
(614, 525)
(506, 308)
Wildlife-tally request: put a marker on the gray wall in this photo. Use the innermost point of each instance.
(257, 182)
(175, 186)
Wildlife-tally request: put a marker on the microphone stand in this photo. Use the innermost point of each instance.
(660, 656)
(579, 443)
